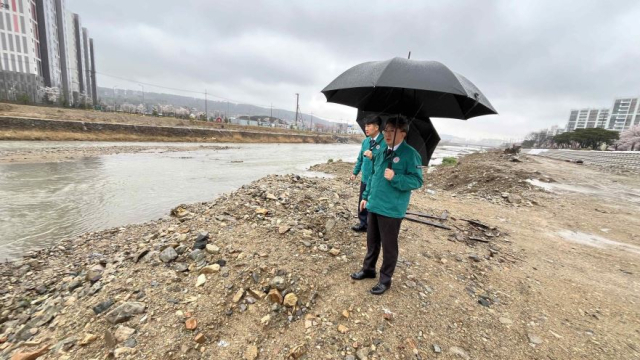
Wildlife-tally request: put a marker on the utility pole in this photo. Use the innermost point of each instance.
(271, 116)
(206, 109)
(297, 107)
(226, 114)
(311, 122)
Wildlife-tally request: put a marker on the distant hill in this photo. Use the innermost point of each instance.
(222, 107)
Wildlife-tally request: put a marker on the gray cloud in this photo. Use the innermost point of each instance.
(533, 59)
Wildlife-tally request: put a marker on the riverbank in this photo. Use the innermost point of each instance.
(273, 280)
(60, 154)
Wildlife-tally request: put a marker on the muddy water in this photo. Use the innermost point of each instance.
(42, 203)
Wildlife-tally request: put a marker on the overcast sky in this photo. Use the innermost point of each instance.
(534, 60)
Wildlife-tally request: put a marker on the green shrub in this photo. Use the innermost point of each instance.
(449, 161)
(330, 161)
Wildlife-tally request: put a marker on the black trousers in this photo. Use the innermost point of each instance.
(362, 215)
(382, 233)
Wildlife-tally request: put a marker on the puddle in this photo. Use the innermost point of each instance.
(596, 241)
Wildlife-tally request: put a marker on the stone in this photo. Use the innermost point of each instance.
(30, 355)
(123, 351)
(95, 288)
(283, 229)
(323, 247)
(211, 269)
(197, 255)
(262, 211)
(345, 314)
(534, 339)
(74, 285)
(125, 312)
(334, 252)
(329, 225)
(342, 329)
(191, 324)
(200, 339)
(265, 320)
(506, 321)
(271, 197)
(298, 351)
(130, 343)
(274, 296)
(278, 282)
(201, 280)
(123, 333)
(514, 199)
(88, 339)
(109, 339)
(95, 273)
(257, 294)
(180, 267)
(454, 350)
(251, 353)
(140, 254)
(363, 354)
(437, 349)
(475, 258)
(212, 249)
(201, 240)
(306, 243)
(103, 306)
(290, 300)
(168, 255)
(349, 357)
(238, 296)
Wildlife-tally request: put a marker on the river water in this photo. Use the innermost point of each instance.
(42, 203)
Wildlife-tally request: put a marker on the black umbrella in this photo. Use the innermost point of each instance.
(422, 135)
(414, 88)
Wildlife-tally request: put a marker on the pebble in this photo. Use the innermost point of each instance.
(535, 339)
(278, 282)
(201, 280)
(275, 296)
(290, 300)
(238, 296)
(125, 312)
(210, 269)
(191, 324)
(334, 252)
(168, 255)
(506, 321)
(200, 338)
(251, 353)
(88, 338)
(123, 333)
(437, 349)
(103, 306)
(212, 249)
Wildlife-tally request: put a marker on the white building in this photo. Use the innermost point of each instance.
(625, 114)
(587, 119)
(20, 61)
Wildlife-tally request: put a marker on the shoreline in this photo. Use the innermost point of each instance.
(44, 155)
(515, 297)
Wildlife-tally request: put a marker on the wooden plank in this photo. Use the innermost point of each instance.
(428, 223)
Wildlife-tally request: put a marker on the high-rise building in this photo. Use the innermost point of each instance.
(87, 63)
(20, 61)
(587, 118)
(43, 45)
(625, 114)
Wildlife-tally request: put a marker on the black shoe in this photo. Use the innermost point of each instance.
(363, 275)
(359, 228)
(379, 289)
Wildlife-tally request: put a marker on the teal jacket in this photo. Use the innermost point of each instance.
(391, 198)
(363, 164)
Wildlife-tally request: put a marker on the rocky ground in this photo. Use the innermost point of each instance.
(58, 154)
(262, 273)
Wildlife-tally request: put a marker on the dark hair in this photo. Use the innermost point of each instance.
(376, 120)
(399, 122)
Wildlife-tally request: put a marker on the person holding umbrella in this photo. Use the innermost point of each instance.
(396, 172)
(370, 145)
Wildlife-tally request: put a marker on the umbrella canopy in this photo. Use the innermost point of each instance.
(414, 88)
(422, 135)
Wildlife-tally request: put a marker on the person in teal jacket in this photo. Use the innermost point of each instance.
(370, 146)
(396, 172)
